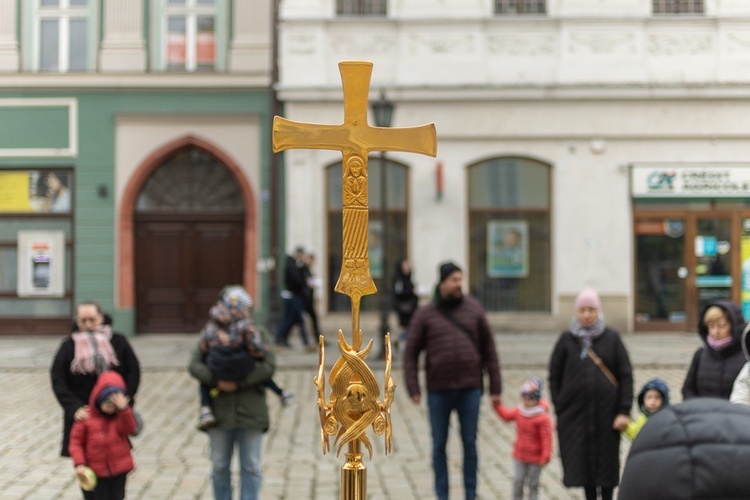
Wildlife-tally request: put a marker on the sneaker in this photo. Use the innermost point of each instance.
(288, 398)
(206, 419)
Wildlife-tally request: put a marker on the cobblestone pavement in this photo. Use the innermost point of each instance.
(172, 460)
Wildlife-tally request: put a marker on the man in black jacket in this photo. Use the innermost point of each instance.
(295, 281)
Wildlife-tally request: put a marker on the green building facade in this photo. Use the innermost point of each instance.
(134, 159)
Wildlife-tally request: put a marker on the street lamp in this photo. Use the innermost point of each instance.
(383, 111)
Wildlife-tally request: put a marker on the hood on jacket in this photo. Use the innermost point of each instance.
(734, 315)
(657, 384)
(745, 342)
(224, 314)
(107, 379)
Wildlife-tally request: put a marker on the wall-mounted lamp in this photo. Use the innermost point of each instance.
(102, 191)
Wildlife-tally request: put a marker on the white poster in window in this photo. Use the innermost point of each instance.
(508, 249)
(41, 264)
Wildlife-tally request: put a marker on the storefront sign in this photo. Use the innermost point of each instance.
(41, 263)
(693, 181)
(745, 282)
(42, 191)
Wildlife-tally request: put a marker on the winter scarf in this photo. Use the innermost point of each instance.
(587, 334)
(93, 351)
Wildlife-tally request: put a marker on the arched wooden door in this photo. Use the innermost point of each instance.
(189, 241)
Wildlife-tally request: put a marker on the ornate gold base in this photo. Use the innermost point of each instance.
(353, 478)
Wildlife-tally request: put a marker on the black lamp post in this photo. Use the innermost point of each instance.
(383, 111)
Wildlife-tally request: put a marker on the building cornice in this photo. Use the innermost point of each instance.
(114, 81)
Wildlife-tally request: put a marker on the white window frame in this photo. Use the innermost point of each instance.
(63, 13)
(191, 11)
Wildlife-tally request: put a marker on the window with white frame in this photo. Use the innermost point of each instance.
(520, 6)
(62, 28)
(360, 7)
(678, 6)
(190, 35)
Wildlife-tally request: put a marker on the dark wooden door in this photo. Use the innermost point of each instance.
(182, 261)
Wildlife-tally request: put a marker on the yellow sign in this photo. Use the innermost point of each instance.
(14, 192)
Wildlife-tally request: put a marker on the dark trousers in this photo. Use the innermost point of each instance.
(107, 488)
(292, 315)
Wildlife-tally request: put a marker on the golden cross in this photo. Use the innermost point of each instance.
(355, 139)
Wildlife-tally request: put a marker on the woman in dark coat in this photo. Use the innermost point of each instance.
(405, 298)
(592, 406)
(81, 357)
(717, 363)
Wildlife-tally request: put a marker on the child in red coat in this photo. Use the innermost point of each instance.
(101, 443)
(533, 446)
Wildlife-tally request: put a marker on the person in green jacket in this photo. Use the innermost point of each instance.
(653, 397)
(241, 415)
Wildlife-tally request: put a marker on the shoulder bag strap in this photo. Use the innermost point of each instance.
(600, 364)
(463, 329)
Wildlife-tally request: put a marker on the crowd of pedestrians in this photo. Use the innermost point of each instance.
(95, 375)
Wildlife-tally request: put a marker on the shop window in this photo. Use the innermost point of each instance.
(396, 218)
(361, 7)
(36, 250)
(678, 6)
(509, 234)
(190, 32)
(63, 35)
(520, 7)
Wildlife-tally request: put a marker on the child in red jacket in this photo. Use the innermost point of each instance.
(533, 446)
(101, 441)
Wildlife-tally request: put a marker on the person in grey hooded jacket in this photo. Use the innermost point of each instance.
(741, 388)
(697, 449)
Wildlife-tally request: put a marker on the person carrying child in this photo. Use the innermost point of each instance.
(100, 442)
(653, 397)
(231, 344)
(533, 447)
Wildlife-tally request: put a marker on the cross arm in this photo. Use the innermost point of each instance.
(288, 134)
(422, 139)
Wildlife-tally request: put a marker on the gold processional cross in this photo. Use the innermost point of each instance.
(353, 405)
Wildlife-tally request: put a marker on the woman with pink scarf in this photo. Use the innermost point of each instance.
(717, 363)
(91, 349)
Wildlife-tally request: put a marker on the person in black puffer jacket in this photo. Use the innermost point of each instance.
(698, 449)
(718, 362)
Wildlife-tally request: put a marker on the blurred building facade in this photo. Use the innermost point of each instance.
(598, 143)
(134, 158)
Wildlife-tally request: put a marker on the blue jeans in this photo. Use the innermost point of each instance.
(440, 405)
(222, 448)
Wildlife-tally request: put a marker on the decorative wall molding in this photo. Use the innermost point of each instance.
(670, 44)
(369, 43)
(601, 43)
(300, 44)
(444, 43)
(522, 44)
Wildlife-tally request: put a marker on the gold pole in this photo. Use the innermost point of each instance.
(353, 405)
(353, 475)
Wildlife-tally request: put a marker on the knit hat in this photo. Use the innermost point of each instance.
(236, 296)
(588, 298)
(107, 392)
(532, 389)
(446, 269)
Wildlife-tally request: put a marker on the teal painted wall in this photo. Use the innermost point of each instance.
(94, 225)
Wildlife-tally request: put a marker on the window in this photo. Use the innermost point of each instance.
(190, 35)
(360, 7)
(678, 6)
(396, 226)
(63, 32)
(509, 234)
(520, 7)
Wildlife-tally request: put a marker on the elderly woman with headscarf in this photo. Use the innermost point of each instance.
(591, 384)
(91, 349)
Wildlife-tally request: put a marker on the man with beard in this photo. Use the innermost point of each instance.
(457, 340)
